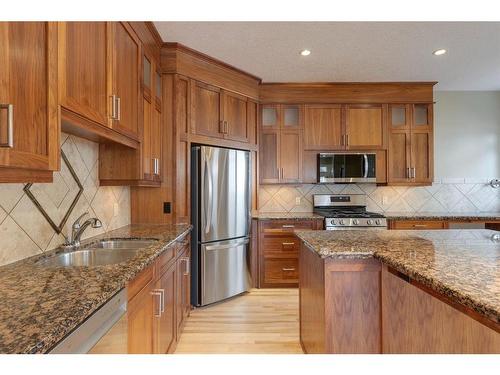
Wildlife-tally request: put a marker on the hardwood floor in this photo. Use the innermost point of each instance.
(263, 321)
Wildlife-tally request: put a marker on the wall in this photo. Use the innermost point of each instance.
(24, 231)
(467, 134)
(467, 157)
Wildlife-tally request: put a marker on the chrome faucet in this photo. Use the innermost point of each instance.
(78, 228)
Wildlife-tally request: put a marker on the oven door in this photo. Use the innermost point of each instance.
(346, 167)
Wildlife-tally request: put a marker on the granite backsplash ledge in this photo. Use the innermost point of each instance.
(447, 195)
(24, 231)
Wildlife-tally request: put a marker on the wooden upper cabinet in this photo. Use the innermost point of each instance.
(323, 128)
(29, 127)
(269, 166)
(291, 116)
(291, 156)
(252, 120)
(270, 116)
(85, 69)
(365, 127)
(206, 108)
(234, 117)
(410, 154)
(126, 62)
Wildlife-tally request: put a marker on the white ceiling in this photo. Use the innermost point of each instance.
(351, 51)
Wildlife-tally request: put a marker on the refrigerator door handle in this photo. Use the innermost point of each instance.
(228, 246)
(209, 202)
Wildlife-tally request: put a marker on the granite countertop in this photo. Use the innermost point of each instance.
(463, 265)
(455, 216)
(40, 305)
(286, 216)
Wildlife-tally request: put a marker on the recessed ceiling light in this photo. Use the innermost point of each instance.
(439, 52)
(305, 52)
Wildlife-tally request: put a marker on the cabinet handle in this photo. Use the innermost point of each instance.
(288, 269)
(226, 127)
(186, 259)
(413, 172)
(10, 125)
(221, 126)
(113, 107)
(408, 174)
(288, 226)
(419, 225)
(118, 108)
(347, 139)
(159, 293)
(156, 166)
(288, 243)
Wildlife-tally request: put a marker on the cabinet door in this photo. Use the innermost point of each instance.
(141, 310)
(29, 128)
(206, 110)
(156, 128)
(235, 117)
(84, 69)
(269, 156)
(291, 116)
(422, 144)
(270, 116)
(365, 127)
(165, 316)
(147, 120)
(323, 127)
(127, 58)
(399, 157)
(183, 304)
(291, 155)
(252, 116)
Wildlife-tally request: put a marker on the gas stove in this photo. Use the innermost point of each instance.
(347, 211)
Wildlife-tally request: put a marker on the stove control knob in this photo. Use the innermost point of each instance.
(341, 222)
(355, 221)
(332, 222)
(369, 222)
(378, 222)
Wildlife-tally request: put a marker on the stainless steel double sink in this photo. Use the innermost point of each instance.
(101, 253)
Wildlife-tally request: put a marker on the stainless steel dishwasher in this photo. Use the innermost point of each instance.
(104, 332)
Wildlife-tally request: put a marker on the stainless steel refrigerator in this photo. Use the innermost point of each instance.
(220, 213)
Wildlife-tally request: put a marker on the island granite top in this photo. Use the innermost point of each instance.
(463, 265)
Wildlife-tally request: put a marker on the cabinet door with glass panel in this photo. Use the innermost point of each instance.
(282, 116)
(422, 144)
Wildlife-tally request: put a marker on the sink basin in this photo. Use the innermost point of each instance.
(90, 257)
(122, 244)
(101, 253)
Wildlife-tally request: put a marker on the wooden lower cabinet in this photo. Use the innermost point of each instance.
(159, 302)
(418, 224)
(417, 322)
(165, 327)
(279, 251)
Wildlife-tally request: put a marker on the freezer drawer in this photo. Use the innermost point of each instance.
(225, 269)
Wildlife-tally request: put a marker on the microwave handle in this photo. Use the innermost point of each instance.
(365, 173)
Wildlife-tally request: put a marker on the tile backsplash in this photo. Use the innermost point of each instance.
(449, 195)
(24, 231)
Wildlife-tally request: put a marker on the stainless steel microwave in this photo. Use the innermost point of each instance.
(346, 167)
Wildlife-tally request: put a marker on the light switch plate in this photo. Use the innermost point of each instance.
(116, 207)
(297, 201)
(384, 199)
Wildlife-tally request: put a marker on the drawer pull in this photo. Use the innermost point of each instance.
(288, 269)
(419, 225)
(288, 243)
(288, 226)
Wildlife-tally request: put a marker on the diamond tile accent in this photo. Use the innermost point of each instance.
(448, 196)
(24, 230)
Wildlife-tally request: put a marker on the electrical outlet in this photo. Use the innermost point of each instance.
(297, 201)
(116, 207)
(385, 199)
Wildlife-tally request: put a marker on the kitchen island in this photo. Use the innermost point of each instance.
(400, 291)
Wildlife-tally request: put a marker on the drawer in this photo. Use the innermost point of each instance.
(166, 259)
(285, 226)
(280, 246)
(419, 224)
(281, 271)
